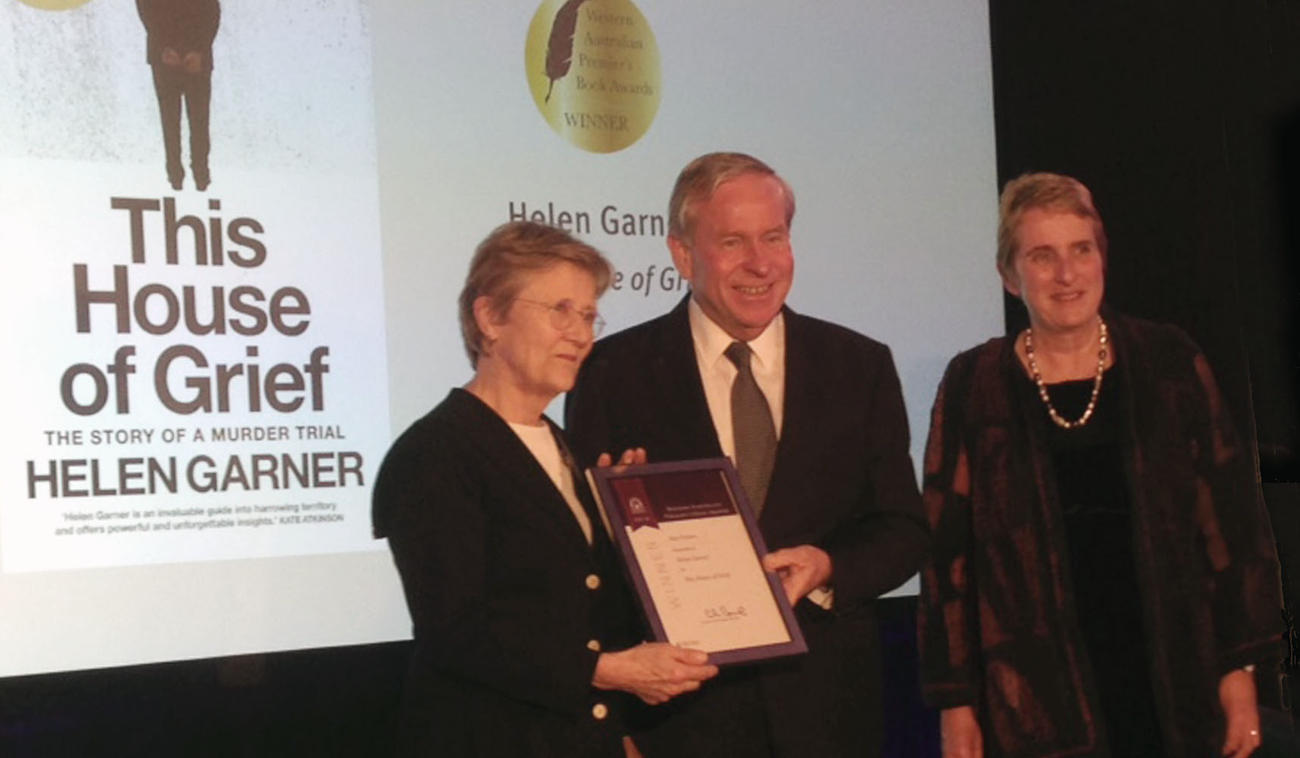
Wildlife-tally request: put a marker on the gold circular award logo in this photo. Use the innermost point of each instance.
(55, 5)
(593, 70)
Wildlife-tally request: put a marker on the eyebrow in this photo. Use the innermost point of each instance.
(1071, 244)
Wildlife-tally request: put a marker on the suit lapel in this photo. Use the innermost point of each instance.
(680, 396)
(680, 391)
(798, 424)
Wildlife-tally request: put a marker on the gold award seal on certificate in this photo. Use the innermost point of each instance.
(593, 70)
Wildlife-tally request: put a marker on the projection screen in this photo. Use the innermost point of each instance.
(203, 372)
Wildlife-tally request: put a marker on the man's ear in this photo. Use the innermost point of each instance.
(681, 256)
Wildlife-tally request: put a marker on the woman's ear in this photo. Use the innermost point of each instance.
(1010, 283)
(486, 318)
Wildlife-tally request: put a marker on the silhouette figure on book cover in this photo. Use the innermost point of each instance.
(179, 50)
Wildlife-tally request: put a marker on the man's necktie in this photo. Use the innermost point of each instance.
(752, 427)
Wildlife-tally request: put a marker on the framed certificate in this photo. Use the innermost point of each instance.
(693, 550)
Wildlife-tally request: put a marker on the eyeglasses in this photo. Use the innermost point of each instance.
(564, 315)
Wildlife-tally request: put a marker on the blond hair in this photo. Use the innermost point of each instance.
(1044, 191)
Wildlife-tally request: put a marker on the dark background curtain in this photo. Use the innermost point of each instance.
(1184, 119)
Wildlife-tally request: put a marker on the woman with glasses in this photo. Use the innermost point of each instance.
(525, 634)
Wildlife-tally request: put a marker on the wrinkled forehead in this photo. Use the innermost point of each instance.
(697, 198)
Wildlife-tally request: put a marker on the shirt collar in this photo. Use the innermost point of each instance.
(711, 340)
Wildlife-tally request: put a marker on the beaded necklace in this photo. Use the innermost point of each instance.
(1060, 421)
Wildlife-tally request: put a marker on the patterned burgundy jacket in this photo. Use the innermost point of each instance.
(996, 622)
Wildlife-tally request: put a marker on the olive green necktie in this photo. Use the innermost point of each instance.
(752, 427)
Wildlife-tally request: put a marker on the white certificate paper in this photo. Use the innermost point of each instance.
(693, 552)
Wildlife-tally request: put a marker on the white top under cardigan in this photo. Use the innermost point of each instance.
(541, 443)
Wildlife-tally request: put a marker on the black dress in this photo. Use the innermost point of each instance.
(1097, 514)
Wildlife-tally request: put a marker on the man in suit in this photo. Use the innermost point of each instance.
(813, 415)
(179, 36)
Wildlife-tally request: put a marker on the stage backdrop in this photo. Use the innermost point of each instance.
(201, 382)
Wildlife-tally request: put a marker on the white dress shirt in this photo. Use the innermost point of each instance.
(718, 373)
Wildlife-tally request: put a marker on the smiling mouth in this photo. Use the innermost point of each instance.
(759, 290)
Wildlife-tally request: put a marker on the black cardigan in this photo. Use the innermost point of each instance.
(509, 603)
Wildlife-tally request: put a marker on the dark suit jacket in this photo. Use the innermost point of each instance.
(498, 579)
(183, 25)
(843, 481)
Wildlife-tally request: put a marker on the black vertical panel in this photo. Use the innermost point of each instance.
(1184, 119)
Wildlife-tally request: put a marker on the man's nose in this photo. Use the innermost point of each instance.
(757, 260)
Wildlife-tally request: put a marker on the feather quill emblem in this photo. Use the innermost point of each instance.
(559, 48)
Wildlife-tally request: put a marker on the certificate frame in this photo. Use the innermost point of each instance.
(622, 519)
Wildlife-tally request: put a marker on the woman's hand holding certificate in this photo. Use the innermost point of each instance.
(653, 671)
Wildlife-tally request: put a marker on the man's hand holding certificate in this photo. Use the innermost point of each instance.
(802, 568)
